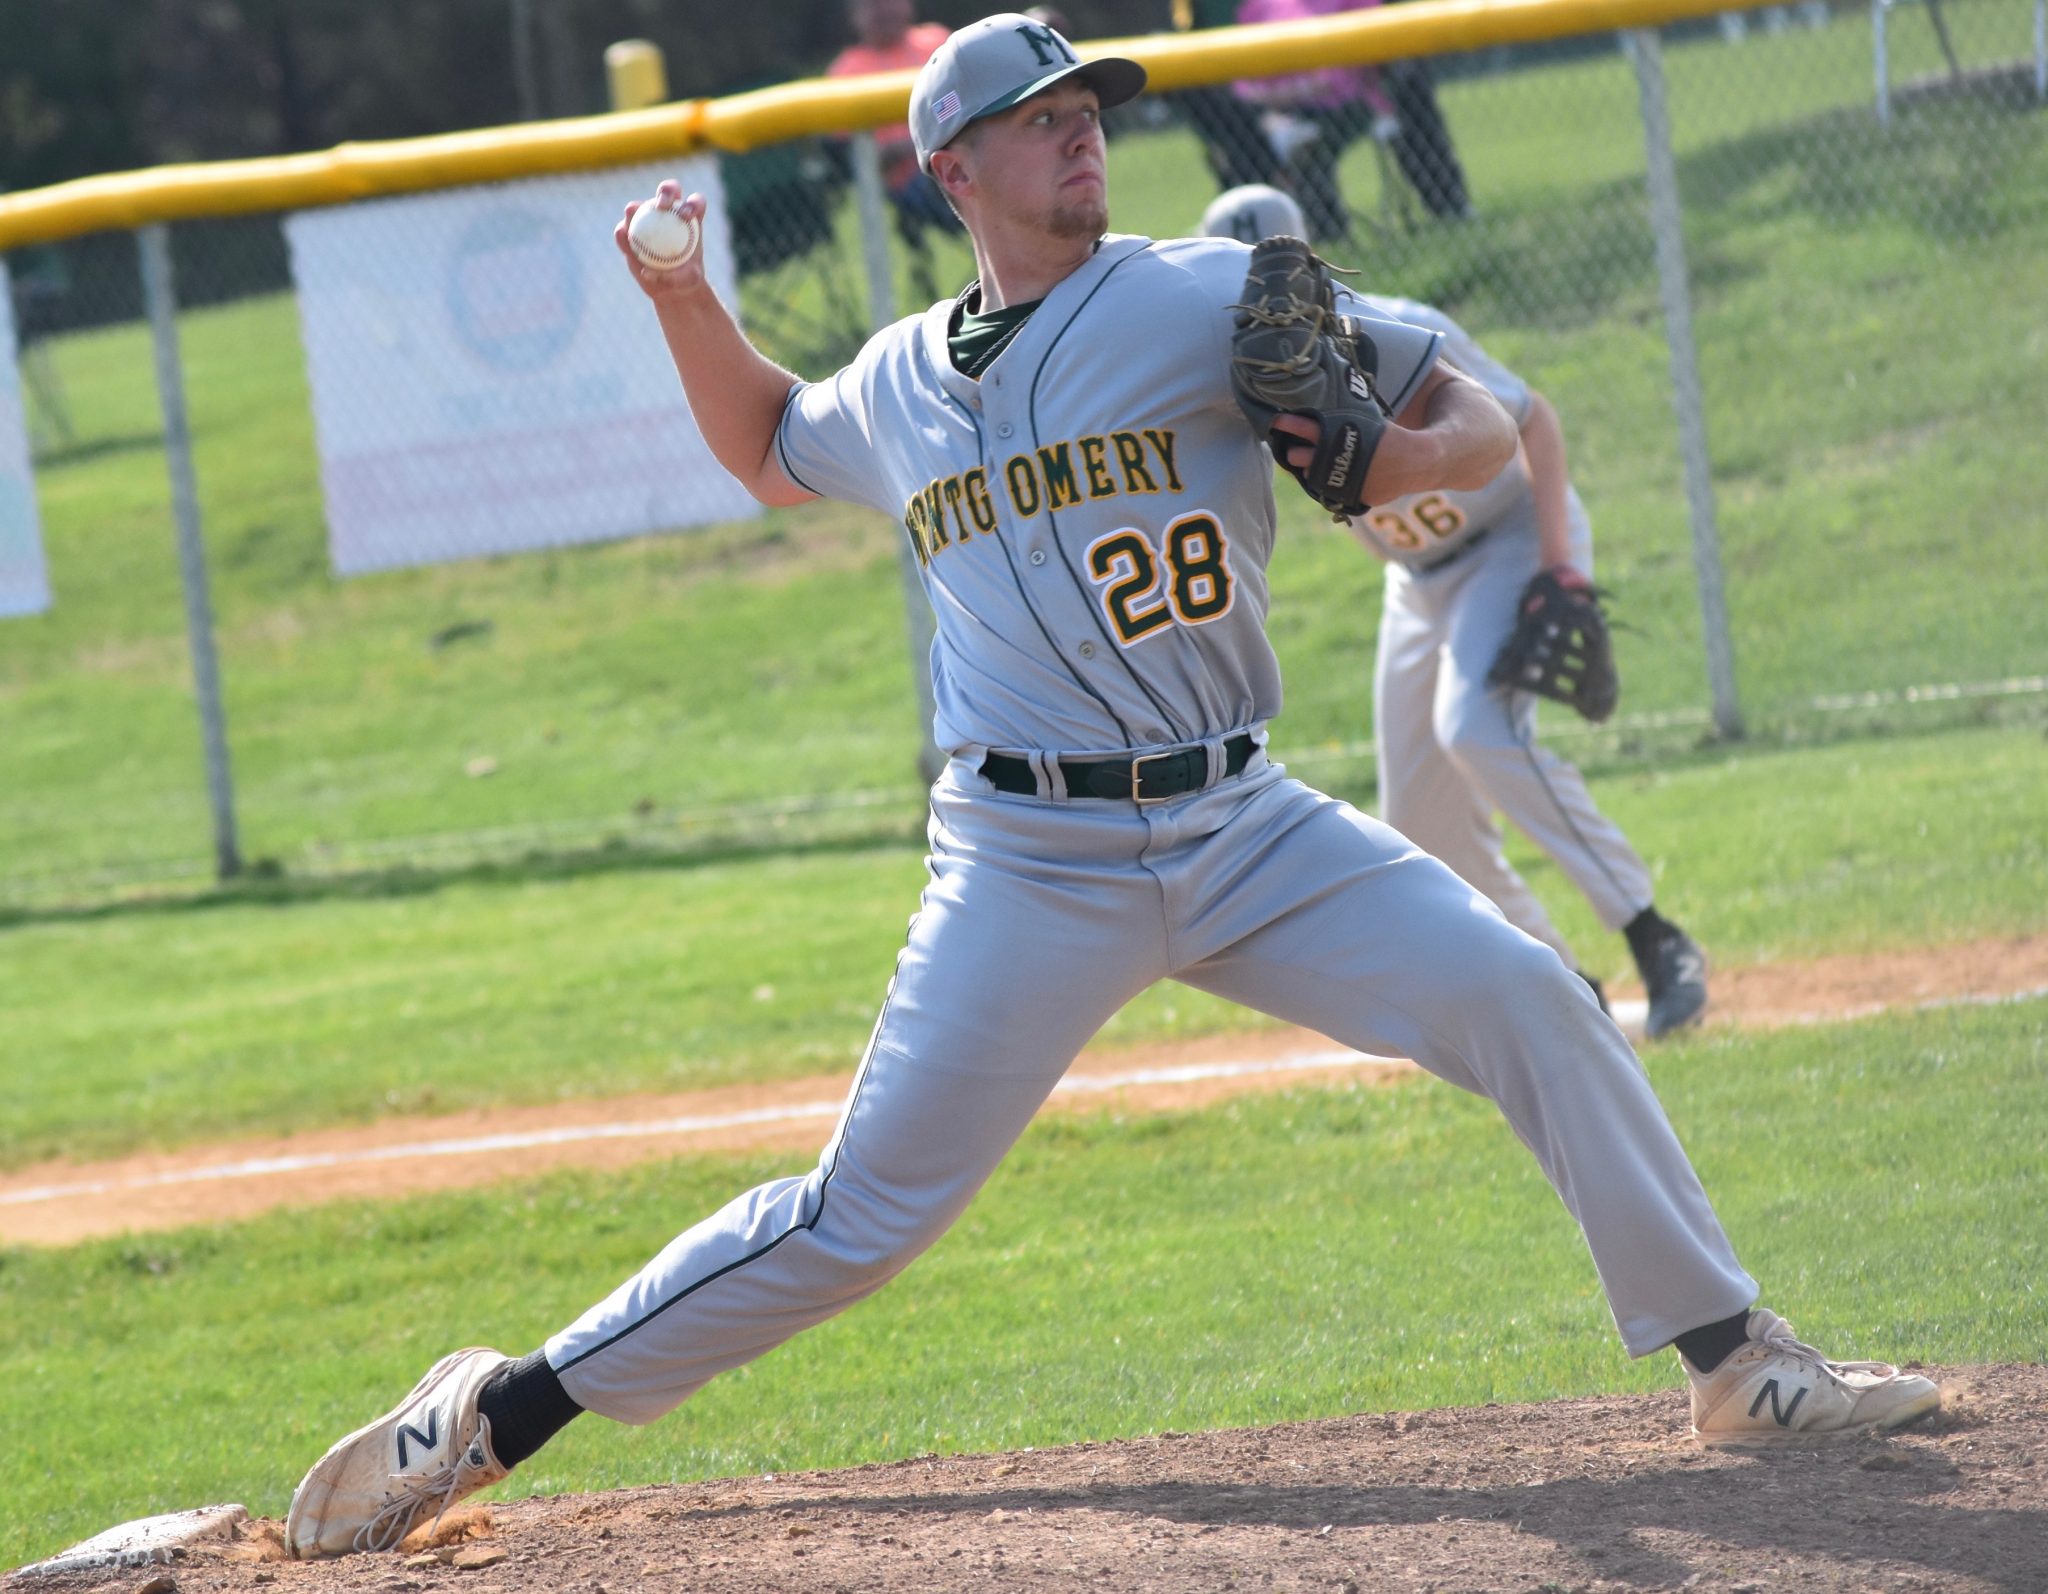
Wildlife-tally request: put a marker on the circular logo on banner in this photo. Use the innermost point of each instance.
(515, 289)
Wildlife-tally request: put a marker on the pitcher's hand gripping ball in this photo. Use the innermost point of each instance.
(1560, 647)
(1292, 354)
(661, 238)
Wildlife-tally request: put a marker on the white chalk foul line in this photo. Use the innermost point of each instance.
(1074, 1084)
(257, 1167)
(1931, 1005)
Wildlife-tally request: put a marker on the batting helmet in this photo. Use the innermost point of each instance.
(1253, 212)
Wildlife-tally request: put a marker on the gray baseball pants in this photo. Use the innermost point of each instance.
(1452, 750)
(1042, 918)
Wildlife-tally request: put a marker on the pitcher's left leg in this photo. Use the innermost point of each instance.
(1347, 929)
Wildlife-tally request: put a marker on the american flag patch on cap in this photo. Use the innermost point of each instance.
(946, 106)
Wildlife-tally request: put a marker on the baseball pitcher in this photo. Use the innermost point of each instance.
(1076, 447)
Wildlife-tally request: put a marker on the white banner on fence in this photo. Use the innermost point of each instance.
(24, 581)
(486, 378)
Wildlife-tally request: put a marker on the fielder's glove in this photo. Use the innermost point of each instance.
(1292, 354)
(1561, 647)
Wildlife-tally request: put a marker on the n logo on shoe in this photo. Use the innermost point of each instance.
(1769, 1392)
(431, 1439)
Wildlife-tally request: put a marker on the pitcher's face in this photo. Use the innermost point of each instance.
(1043, 163)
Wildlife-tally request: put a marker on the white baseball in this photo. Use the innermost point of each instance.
(661, 238)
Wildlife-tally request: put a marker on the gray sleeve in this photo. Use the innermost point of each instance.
(1406, 353)
(1460, 350)
(825, 442)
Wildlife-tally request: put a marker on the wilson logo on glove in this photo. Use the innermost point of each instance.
(1292, 354)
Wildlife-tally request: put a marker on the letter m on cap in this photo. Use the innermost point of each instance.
(1047, 45)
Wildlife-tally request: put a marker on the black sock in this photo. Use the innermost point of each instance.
(1644, 932)
(526, 1405)
(1706, 1348)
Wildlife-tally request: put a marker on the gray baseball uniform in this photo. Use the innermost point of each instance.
(1092, 520)
(1452, 750)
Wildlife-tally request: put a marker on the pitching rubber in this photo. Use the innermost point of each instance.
(147, 1541)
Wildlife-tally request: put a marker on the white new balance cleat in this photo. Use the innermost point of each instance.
(1775, 1388)
(409, 1466)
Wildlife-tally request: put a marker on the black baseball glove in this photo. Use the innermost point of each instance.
(1292, 354)
(1561, 647)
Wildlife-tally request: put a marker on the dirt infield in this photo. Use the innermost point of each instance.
(59, 1203)
(1580, 1495)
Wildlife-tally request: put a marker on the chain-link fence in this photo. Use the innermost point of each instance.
(1864, 202)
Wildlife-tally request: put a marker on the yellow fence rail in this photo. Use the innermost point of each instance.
(740, 122)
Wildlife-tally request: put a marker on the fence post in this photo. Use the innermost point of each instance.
(524, 78)
(2041, 49)
(1666, 225)
(872, 205)
(160, 293)
(1880, 60)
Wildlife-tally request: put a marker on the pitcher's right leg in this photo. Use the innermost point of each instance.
(1383, 948)
(1010, 968)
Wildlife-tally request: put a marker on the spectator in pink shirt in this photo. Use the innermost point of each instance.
(889, 38)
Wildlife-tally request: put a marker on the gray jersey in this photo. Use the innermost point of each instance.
(1423, 527)
(1093, 530)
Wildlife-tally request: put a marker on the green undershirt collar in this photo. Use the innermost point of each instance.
(976, 337)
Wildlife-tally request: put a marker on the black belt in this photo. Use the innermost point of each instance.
(1428, 566)
(1146, 778)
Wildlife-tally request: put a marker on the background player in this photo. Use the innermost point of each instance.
(1451, 749)
(1092, 515)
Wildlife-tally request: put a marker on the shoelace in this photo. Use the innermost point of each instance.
(396, 1516)
(1780, 1338)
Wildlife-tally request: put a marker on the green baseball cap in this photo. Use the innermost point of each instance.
(993, 64)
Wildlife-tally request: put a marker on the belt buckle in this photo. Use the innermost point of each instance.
(1138, 780)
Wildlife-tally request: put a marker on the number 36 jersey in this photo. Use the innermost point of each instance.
(1421, 528)
(1092, 518)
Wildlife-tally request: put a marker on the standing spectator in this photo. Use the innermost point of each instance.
(1236, 145)
(1311, 117)
(1423, 145)
(1331, 107)
(889, 38)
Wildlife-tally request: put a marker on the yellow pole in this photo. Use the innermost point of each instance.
(638, 74)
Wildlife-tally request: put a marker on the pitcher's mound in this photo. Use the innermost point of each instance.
(1603, 1494)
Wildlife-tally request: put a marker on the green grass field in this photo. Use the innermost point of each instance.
(285, 1005)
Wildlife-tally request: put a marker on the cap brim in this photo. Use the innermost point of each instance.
(1113, 78)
